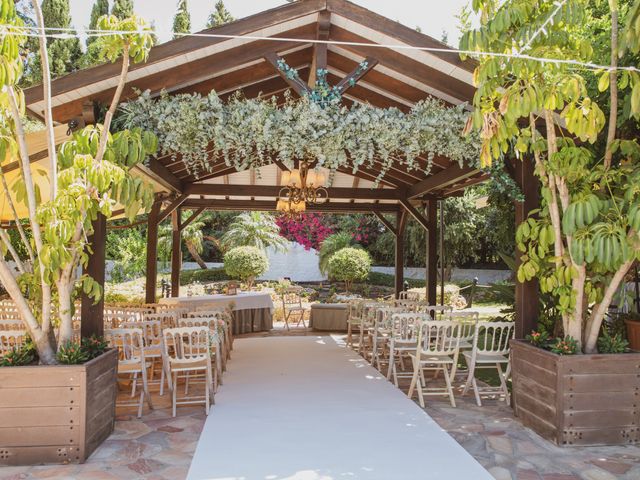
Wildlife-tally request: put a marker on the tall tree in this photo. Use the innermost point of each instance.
(122, 8)
(100, 8)
(219, 16)
(181, 20)
(64, 53)
(92, 55)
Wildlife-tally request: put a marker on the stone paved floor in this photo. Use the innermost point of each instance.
(157, 447)
(160, 447)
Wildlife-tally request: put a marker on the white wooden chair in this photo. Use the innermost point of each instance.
(223, 317)
(403, 341)
(131, 361)
(491, 347)
(437, 312)
(10, 339)
(354, 319)
(12, 325)
(437, 349)
(368, 320)
(292, 308)
(382, 334)
(188, 351)
(167, 318)
(215, 343)
(153, 350)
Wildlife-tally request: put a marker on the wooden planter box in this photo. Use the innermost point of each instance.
(56, 414)
(577, 399)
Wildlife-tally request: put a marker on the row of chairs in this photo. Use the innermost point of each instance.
(431, 338)
(193, 346)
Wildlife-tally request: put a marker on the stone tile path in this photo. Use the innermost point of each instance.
(160, 447)
(157, 447)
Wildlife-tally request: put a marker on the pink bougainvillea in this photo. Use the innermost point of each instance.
(309, 231)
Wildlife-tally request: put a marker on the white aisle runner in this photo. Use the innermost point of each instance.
(307, 408)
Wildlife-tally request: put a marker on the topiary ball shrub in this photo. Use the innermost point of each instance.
(245, 263)
(349, 265)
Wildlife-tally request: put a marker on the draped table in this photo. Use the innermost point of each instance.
(252, 311)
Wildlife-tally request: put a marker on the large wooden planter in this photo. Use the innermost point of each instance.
(577, 399)
(56, 414)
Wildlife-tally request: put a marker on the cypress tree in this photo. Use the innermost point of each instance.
(64, 53)
(182, 19)
(100, 8)
(219, 16)
(122, 8)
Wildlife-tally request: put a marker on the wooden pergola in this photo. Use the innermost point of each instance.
(239, 62)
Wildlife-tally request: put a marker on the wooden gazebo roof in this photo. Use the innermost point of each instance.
(396, 77)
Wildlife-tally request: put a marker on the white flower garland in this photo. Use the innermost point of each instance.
(254, 132)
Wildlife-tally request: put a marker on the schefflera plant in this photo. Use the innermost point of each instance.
(88, 176)
(582, 241)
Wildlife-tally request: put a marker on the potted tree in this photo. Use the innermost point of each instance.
(579, 389)
(59, 405)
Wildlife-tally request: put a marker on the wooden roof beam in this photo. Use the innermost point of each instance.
(177, 202)
(295, 82)
(274, 190)
(356, 74)
(320, 50)
(193, 216)
(270, 206)
(413, 211)
(158, 172)
(391, 227)
(450, 175)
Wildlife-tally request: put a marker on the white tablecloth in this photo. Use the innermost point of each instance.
(241, 301)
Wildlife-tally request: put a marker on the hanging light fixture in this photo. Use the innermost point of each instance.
(302, 186)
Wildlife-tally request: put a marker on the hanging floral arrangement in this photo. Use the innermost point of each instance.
(254, 132)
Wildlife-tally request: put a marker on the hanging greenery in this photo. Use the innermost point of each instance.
(255, 132)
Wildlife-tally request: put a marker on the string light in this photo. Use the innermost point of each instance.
(37, 32)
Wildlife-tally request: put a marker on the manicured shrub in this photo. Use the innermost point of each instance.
(245, 263)
(203, 276)
(349, 265)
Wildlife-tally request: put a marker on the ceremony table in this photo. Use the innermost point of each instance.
(252, 311)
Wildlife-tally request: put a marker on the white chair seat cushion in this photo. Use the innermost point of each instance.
(486, 357)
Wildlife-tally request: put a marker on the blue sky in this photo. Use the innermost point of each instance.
(433, 17)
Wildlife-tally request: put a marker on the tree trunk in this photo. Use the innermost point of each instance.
(195, 255)
(66, 323)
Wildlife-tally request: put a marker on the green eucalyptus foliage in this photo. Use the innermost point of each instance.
(219, 16)
(182, 19)
(252, 132)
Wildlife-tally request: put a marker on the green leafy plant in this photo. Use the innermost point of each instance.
(245, 263)
(331, 245)
(584, 239)
(564, 346)
(254, 229)
(349, 265)
(93, 346)
(87, 176)
(187, 124)
(608, 343)
(19, 356)
(71, 353)
(202, 276)
(539, 339)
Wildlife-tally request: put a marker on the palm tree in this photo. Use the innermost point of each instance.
(254, 229)
(331, 245)
(192, 237)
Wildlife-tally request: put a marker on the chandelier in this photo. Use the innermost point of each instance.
(302, 186)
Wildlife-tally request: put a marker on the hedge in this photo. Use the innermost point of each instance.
(203, 276)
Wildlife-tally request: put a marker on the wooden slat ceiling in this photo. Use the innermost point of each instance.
(199, 64)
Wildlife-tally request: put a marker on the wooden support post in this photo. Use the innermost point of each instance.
(176, 252)
(432, 255)
(526, 293)
(92, 314)
(152, 253)
(441, 251)
(401, 219)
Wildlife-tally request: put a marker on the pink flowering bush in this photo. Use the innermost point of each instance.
(309, 231)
